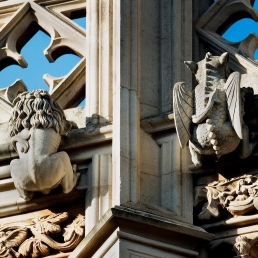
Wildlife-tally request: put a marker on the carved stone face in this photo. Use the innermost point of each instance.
(213, 66)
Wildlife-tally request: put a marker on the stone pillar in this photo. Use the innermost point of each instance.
(99, 61)
(126, 102)
(137, 54)
(148, 60)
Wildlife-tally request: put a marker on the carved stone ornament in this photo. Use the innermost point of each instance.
(36, 240)
(238, 195)
(210, 117)
(37, 124)
(246, 246)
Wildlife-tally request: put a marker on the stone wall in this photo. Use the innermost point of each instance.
(137, 187)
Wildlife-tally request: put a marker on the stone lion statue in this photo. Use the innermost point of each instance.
(37, 124)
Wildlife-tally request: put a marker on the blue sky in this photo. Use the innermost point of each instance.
(241, 29)
(38, 65)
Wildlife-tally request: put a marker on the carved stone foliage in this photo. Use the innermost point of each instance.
(238, 195)
(210, 117)
(37, 124)
(37, 240)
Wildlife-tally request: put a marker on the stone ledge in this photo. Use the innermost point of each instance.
(82, 137)
(158, 123)
(179, 236)
(77, 138)
(18, 205)
(160, 222)
(235, 222)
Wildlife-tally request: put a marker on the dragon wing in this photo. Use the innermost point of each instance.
(234, 102)
(183, 111)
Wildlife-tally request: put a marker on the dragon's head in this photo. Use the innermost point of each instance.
(212, 66)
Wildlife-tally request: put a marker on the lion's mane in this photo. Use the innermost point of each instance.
(36, 109)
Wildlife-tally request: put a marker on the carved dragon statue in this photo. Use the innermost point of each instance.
(37, 124)
(210, 118)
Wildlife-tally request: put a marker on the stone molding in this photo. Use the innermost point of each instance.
(13, 205)
(158, 123)
(119, 221)
(77, 138)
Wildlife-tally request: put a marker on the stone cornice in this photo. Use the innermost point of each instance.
(158, 123)
(77, 138)
(18, 206)
(123, 217)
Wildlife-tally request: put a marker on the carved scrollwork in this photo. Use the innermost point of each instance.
(36, 240)
(238, 195)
